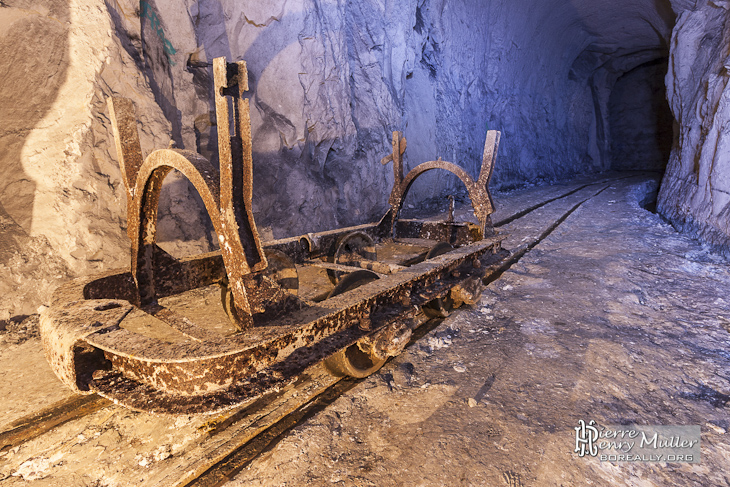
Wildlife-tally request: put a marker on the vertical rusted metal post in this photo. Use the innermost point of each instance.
(236, 180)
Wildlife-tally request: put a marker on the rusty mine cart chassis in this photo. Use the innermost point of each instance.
(216, 330)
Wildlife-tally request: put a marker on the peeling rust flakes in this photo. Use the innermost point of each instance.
(129, 335)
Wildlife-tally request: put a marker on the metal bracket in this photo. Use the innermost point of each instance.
(478, 190)
(226, 192)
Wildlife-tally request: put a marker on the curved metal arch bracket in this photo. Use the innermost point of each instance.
(226, 192)
(205, 178)
(478, 190)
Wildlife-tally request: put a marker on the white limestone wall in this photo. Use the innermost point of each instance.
(695, 192)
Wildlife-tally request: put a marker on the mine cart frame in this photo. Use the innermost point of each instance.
(96, 333)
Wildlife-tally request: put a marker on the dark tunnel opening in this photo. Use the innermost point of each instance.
(640, 120)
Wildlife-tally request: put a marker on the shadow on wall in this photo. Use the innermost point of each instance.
(641, 122)
(26, 63)
(315, 180)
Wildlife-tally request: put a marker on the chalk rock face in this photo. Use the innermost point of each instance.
(695, 192)
(62, 201)
(330, 80)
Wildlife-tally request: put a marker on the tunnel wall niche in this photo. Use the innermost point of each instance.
(641, 121)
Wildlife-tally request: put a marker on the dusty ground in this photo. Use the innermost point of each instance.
(613, 317)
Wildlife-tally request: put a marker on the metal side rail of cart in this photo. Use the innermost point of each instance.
(212, 331)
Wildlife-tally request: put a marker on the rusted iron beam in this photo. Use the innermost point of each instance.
(194, 376)
(225, 193)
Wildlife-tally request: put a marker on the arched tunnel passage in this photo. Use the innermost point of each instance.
(640, 119)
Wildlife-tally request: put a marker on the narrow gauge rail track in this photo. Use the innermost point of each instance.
(228, 441)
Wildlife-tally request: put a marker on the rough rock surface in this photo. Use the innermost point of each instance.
(695, 194)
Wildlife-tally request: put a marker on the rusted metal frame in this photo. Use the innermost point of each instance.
(180, 323)
(478, 190)
(194, 368)
(207, 365)
(453, 233)
(129, 153)
(379, 269)
(386, 307)
(317, 245)
(63, 328)
(204, 178)
(174, 277)
(295, 322)
(236, 161)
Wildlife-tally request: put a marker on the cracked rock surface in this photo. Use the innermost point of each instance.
(695, 193)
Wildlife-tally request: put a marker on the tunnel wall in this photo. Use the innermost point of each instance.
(695, 191)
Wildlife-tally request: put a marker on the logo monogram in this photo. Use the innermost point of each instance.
(585, 438)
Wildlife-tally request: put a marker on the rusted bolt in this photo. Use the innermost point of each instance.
(468, 292)
(392, 340)
(365, 323)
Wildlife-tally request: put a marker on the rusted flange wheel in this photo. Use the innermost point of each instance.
(439, 307)
(352, 248)
(281, 269)
(357, 360)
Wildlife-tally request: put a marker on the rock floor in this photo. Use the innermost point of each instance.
(612, 317)
(609, 315)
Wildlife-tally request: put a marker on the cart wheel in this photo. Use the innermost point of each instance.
(353, 280)
(357, 360)
(439, 307)
(370, 353)
(281, 270)
(351, 248)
